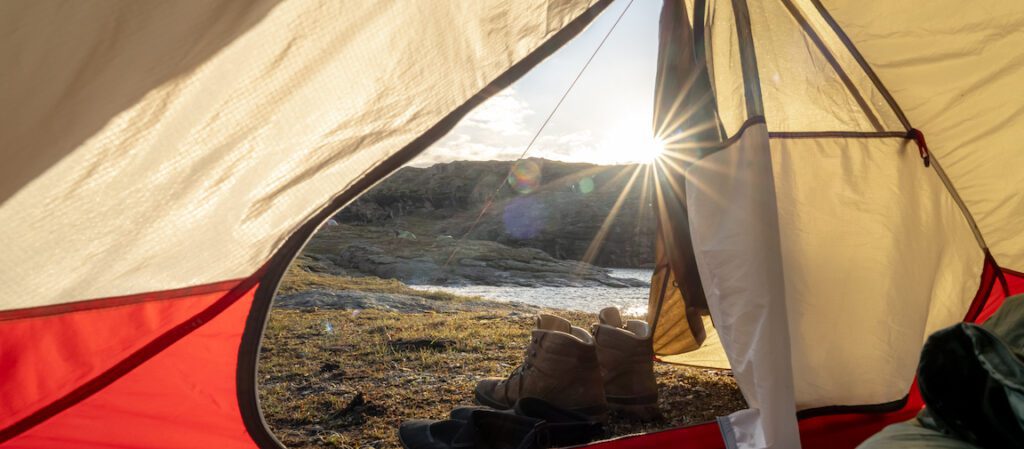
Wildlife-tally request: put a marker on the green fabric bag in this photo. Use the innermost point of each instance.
(972, 379)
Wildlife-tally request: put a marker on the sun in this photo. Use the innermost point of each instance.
(632, 141)
(649, 149)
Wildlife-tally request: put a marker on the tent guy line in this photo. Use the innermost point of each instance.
(490, 198)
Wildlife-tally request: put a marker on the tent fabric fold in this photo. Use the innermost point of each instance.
(164, 161)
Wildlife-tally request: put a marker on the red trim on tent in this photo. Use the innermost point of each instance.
(988, 281)
(53, 362)
(117, 301)
(182, 397)
(1014, 285)
(844, 431)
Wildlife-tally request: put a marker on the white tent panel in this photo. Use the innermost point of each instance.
(735, 228)
(169, 144)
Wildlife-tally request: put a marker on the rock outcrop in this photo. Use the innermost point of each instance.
(557, 207)
(430, 260)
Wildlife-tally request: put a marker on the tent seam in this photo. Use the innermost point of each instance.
(833, 62)
(948, 183)
(117, 301)
(845, 39)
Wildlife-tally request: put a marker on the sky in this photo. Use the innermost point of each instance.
(606, 117)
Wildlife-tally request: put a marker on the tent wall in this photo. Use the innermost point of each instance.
(878, 249)
(179, 143)
(171, 146)
(877, 257)
(957, 71)
(180, 392)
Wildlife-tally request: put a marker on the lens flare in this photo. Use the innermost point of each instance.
(525, 177)
(586, 185)
(524, 217)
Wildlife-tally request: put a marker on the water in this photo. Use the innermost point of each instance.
(631, 300)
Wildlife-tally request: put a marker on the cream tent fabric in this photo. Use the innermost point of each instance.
(152, 135)
(156, 146)
(957, 71)
(877, 250)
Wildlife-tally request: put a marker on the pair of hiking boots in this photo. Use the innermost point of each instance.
(611, 369)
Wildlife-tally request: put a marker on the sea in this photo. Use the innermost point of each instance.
(631, 300)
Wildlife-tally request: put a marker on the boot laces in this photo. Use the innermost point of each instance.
(530, 353)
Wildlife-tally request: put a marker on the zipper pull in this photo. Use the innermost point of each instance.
(922, 146)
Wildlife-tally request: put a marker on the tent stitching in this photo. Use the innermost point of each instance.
(831, 59)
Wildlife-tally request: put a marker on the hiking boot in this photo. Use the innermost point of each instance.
(560, 368)
(626, 357)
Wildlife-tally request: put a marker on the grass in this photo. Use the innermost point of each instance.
(344, 379)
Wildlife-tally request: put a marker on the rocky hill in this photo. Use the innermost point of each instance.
(367, 250)
(556, 207)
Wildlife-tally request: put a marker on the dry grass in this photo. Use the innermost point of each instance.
(335, 378)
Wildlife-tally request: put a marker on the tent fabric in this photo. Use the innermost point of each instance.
(954, 69)
(870, 236)
(161, 156)
(735, 227)
(185, 131)
(182, 396)
(172, 146)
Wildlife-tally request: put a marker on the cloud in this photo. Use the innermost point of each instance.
(501, 128)
(496, 130)
(462, 146)
(573, 146)
(504, 114)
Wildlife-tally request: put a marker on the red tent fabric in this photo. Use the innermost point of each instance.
(164, 162)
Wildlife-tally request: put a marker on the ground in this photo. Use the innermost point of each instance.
(347, 378)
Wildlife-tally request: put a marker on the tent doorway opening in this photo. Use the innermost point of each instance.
(432, 280)
(409, 296)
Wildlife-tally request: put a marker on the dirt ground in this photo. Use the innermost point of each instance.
(347, 378)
